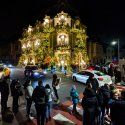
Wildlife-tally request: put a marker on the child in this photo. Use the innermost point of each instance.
(49, 99)
(75, 98)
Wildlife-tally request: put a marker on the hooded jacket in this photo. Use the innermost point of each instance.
(117, 108)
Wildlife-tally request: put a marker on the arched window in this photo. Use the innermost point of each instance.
(62, 39)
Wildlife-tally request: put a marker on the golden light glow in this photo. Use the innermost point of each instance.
(24, 46)
(32, 61)
(28, 45)
(29, 29)
(47, 20)
(37, 43)
(25, 62)
(62, 17)
(62, 62)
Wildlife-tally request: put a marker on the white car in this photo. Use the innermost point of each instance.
(83, 75)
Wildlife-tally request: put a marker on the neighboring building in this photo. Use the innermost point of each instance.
(10, 52)
(95, 53)
(122, 52)
(15, 51)
(5, 52)
(58, 41)
(110, 54)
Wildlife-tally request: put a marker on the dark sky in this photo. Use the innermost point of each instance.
(105, 19)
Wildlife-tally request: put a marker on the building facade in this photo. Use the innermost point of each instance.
(57, 41)
(96, 53)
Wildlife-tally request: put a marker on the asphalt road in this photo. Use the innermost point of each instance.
(65, 85)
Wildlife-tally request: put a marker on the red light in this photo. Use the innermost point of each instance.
(90, 68)
(100, 79)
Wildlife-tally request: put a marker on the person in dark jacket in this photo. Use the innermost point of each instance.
(111, 71)
(117, 110)
(39, 97)
(93, 81)
(89, 104)
(117, 76)
(75, 98)
(16, 91)
(4, 87)
(106, 97)
(54, 84)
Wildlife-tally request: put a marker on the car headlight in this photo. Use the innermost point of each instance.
(36, 73)
(45, 72)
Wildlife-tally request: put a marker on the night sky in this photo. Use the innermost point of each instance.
(105, 19)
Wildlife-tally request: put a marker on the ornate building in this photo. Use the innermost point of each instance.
(57, 41)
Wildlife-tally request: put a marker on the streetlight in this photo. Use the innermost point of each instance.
(114, 42)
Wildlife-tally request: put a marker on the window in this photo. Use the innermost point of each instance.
(88, 74)
(81, 73)
(100, 73)
(62, 39)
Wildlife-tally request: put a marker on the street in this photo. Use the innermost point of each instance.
(65, 85)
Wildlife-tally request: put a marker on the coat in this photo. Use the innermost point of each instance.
(117, 109)
(90, 107)
(75, 96)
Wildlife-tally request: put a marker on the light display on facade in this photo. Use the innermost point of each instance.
(55, 41)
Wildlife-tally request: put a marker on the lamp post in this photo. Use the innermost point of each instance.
(114, 42)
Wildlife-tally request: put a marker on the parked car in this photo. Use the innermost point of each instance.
(83, 75)
(4, 72)
(34, 72)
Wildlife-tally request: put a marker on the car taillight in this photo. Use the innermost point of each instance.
(100, 79)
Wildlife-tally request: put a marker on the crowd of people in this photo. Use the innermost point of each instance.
(103, 105)
(100, 104)
(42, 96)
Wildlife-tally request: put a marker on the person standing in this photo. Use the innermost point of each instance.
(16, 91)
(49, 99)
(117, 76)
(75, 98)
(39, 97)
(111, 72)
(106, 97)
(4, 94)
(89, 104)
(28, 95)
(93, 81)
(65, 69)
(55, 83)
(117, 110)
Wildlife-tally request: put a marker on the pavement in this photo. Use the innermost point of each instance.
(61, 113)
